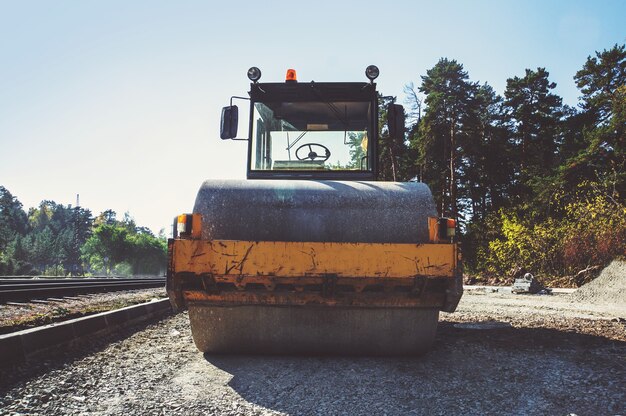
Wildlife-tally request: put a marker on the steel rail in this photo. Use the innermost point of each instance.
(19, 290)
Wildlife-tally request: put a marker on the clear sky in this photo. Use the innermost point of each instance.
(119, 101)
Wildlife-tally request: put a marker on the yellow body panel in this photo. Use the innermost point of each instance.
(228, 272)
(311, 259)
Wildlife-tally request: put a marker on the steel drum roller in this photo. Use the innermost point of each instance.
(305, 210)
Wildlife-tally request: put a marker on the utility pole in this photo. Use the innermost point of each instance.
(76, 266)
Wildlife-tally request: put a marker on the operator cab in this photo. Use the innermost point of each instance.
(309, 130)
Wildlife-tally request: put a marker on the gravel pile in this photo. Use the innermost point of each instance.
(608, 288)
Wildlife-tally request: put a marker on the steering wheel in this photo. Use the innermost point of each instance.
(313, 155)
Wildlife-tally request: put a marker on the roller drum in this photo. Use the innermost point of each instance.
(324, 211)
(260, 329)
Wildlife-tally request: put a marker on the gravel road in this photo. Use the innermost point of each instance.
(499, 354)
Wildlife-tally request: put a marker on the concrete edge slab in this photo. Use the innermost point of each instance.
(20, 346)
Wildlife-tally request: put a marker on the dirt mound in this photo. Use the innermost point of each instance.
(608, 288)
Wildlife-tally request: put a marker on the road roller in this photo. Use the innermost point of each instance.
(311, 254)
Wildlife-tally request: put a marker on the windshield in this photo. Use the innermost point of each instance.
(329, 136)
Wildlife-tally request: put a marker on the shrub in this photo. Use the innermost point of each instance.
(592, 232)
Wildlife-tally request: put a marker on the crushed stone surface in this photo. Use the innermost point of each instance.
(557, 311)
(499, 354)
(29, 314)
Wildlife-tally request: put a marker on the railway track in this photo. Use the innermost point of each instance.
(20, 290)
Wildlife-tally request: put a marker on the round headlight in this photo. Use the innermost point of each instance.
(254, 74)
(371, 72)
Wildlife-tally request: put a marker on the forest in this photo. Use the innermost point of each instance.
(534, 184)
(59, 240)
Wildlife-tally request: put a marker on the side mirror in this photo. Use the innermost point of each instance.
(229, 123)
(395, 121)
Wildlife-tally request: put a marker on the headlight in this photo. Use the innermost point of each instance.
(371, 72)
(254, 74)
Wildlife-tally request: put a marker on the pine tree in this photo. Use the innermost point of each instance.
(602, 80)
(534, 114)
(448, 93)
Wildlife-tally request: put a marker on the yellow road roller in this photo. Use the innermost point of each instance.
(311, 254)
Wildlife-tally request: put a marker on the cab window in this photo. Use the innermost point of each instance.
(305, 136)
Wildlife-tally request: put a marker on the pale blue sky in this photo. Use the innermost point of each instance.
(119, 101)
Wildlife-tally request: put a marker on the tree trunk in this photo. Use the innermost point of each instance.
(453, 210)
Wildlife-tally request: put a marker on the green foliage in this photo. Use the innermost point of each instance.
(533, 246)
(448, 98)
(107, 246)
(595, 229)
(599, 80)
(13, 220)
(592, 232)
(148, 254)
(53, 239)
(602, 150)
(463, 145)
(122, 248)
(13, 227)
(533, 183)
(534, 115)
(56, 234)
(357, 149)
